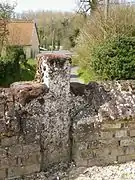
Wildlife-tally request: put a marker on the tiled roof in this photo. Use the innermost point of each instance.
(20, 32)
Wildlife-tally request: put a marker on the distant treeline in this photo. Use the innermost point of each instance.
(55, 28)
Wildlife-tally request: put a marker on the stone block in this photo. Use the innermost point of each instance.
(112, 126)
(109, 142)
(32, 169)
(107, 135)
(127, 142)
(31, 137)
(3, 153)
(121, 133)
(102, 160)
(131, 125)
(2, 127)
(125, 158)
(1, 110)
(79, 162)
(132, 133)
(16, 171)
(19, 171)
(8, 162)
(15, 150)
(34, 158)
(130, 150)
(31, 148)
(2, 174)
(108, 152)
(9, 141)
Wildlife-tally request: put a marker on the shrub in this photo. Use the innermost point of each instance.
(115, 58)
(10, 65)
(28, 70)
(16, 53)
(9, 71)
(97, 31)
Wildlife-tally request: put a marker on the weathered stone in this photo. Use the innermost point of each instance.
(1, 110)
(130, 150)
(31, 158)
(43, 127)
(121, 133)
(15, 150)
(9, 141)
(2, 174)
(127, 142)
(111, 126)
(126, 158)
(132, 133)
(107, 135)
(31, 148)
(24, 92)
(9, 162)
(3, 153)
(19, 171)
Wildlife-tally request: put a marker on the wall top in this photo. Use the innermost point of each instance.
(54, 56)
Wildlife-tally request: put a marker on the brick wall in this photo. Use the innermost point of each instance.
(110, 142)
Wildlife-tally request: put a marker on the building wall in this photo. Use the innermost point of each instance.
(35, 42)
(28, 51)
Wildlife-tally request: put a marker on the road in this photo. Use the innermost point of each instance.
(74, 76)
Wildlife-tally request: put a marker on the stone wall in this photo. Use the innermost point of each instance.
(43, 128)
(19, 149)
(104, 125)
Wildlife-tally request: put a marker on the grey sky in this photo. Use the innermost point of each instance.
(58, 5)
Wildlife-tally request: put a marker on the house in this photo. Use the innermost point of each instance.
(24, 33)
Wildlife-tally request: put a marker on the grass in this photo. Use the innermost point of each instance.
(28, 70)
(87, 75)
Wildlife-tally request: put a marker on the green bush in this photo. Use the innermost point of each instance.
(9, 71)
(96, 35)
(10, 65)
(16, 53)
(115, 58)
(28, 70)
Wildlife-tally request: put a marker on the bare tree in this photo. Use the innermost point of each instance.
(6, 12)
(88, 6)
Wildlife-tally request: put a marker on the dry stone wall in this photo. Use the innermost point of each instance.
(43, 128)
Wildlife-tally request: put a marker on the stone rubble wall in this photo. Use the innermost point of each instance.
(94, 125)
(104, 127)
(19, 151)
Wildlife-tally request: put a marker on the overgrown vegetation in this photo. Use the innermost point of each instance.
(13, 64)
(14, 67)
(115, 58)
(106, 46)
(28, 70)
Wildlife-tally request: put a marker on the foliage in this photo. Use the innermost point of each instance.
(10, 65)
(28, 70)
(57, 28)
(115, 58)
(98, 30)
(9, 71)
(16, 53)
(88, 6)
(6, 12)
